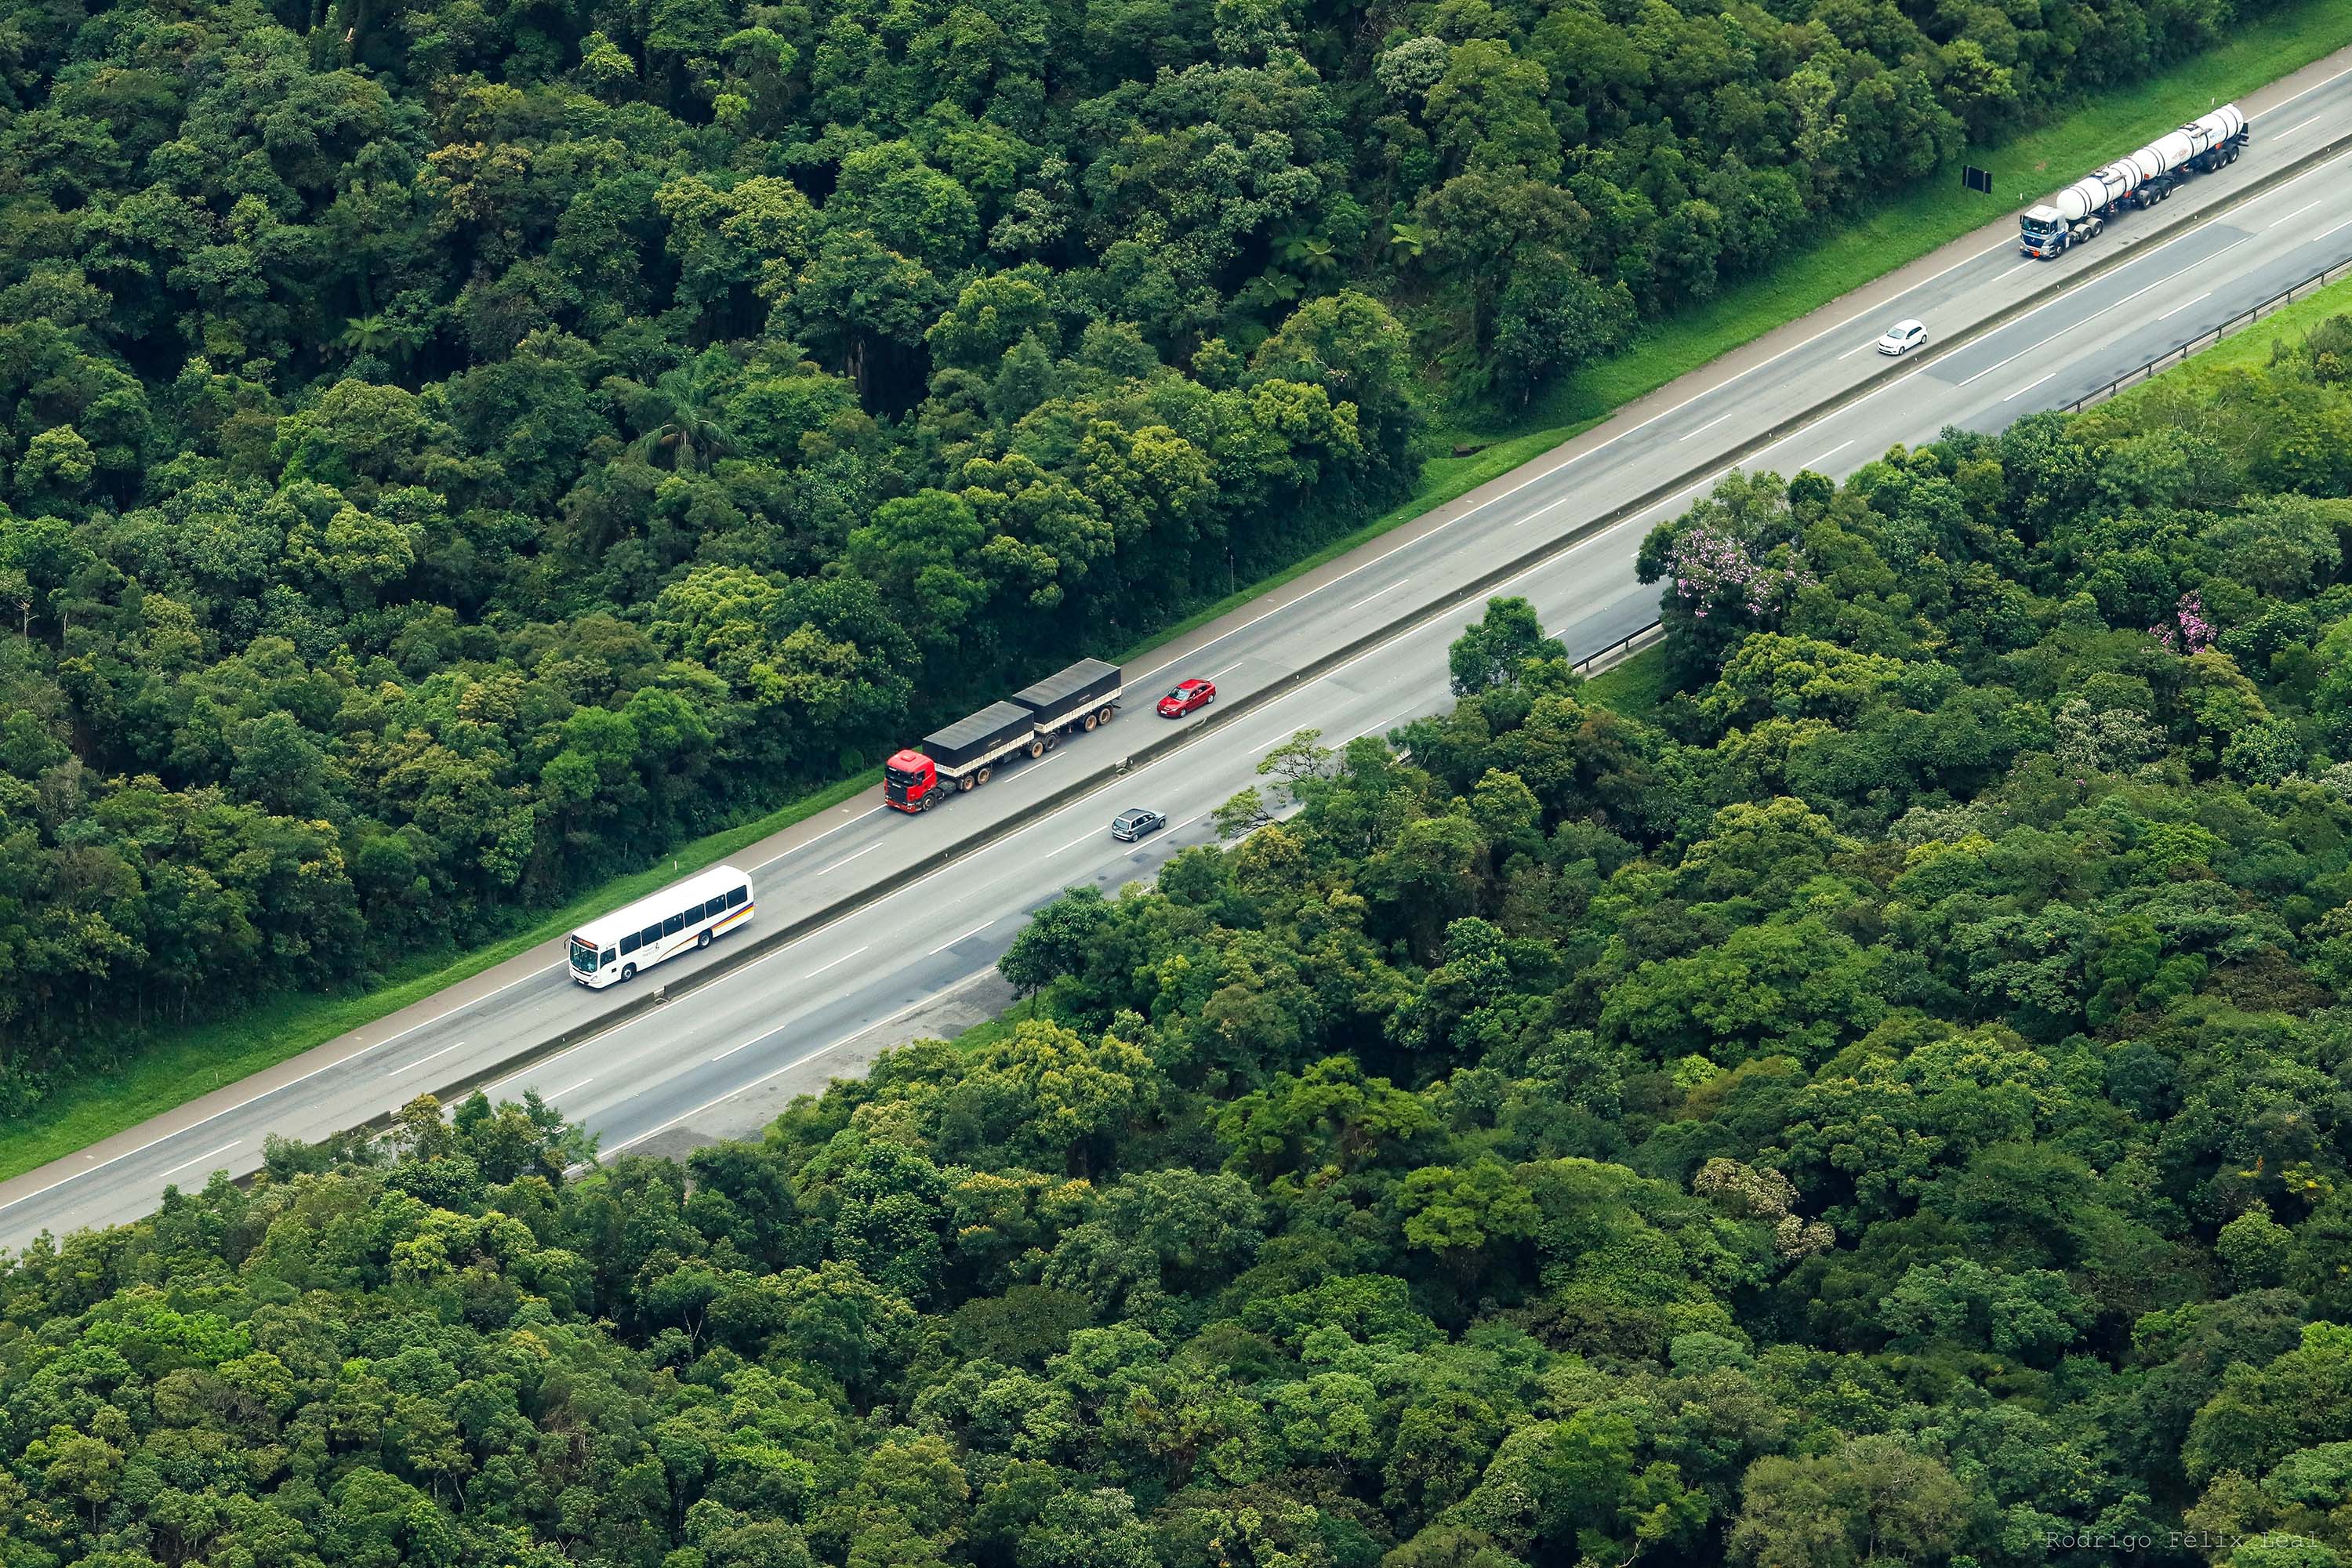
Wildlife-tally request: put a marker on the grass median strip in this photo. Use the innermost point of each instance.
(182, 1065)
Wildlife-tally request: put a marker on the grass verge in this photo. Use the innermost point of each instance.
(2250, 347)
(1632, 690)
(181, 1065)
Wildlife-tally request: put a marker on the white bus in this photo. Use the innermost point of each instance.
(687, 915)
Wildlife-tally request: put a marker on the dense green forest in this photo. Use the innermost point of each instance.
(1888, 1105)
(455, 448)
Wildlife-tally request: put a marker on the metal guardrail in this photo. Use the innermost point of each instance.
(1620, 650)
(2202, 341)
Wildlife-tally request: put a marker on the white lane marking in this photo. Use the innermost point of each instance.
(2002, 365)
(954, 940)
(1859, 347)
(782, 855)
(202, 1157)
(846, 860)
(2283, 135)
(1214, 673)
(1708, 425)
(420, 1061)
(560, 1093)
(799, 1061)
(2294, 214)
(2339, 228)
(1074, 843)
(1825, 456)
(834, 963)
(1381, 595)
(920, 1003)
(2026, 388)
(2084, 320)
(1376, 727)
(2186, 303)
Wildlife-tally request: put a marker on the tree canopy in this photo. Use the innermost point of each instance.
(1882, 1102)
(456, 449)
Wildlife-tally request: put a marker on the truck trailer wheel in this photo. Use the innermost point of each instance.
(1036, 750)
(982, 776)
(965, 783)
(1103, 716)
(1087, 722)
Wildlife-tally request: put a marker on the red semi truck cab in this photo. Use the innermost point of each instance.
(909, 779)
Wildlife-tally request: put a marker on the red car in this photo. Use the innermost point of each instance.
(1188, 695)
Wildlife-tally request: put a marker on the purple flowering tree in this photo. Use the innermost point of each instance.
(1712, 571)
(2188, 631)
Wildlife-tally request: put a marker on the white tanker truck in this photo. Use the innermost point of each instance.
(2081, 210)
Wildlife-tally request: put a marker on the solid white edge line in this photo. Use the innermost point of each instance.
(201, 1158)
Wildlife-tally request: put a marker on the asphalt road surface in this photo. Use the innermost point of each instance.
(797, 1017)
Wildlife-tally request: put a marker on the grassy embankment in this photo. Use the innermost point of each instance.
(181, 1065)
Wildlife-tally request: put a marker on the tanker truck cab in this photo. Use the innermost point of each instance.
(909, 779)
(2042, 231)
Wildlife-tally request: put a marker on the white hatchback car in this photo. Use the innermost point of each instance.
(1903, 337)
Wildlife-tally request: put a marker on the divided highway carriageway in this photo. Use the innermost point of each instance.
(1354, 648)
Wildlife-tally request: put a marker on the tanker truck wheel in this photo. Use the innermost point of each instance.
(2098, 227)
(1087, 722)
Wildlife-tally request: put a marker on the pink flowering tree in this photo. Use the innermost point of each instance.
(2188, 631)
(1710, 571)
(1731, 565)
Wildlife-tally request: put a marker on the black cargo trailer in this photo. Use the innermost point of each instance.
(1069, 698)
(996, 728)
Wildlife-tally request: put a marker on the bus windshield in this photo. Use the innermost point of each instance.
(583, 956)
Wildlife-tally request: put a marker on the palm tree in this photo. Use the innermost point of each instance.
(690, 428)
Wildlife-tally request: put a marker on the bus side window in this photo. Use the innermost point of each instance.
(735, 896)
(629, 943)
(672, 926)
(652, 934)
(606, 961)
(714, 908)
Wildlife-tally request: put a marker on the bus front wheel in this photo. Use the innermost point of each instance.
(628, 973)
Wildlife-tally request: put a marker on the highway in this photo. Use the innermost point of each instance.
(779, 1024)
